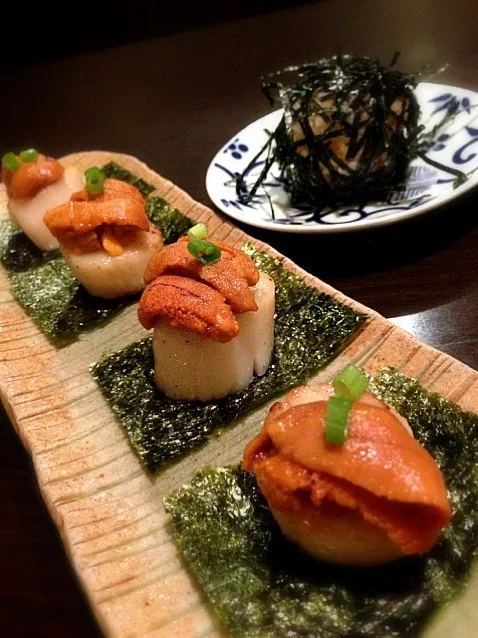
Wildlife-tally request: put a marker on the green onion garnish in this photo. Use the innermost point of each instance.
(11, 162)
(336, 420)
(351, 382)
(204, 251)
(199, 231)
(95, 178)
(349, 385)
(30, 155)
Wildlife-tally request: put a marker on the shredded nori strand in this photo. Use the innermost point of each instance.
(44, 285)
(348, 134)
(310, 329)
(262, 586)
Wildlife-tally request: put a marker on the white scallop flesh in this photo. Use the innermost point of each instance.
(257, 328)
(111, 277)
(29, 213)
(195, 368)
(341, 536)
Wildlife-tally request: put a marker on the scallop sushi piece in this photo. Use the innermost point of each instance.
(204, 348)
(106, 238)
(35, 187)
(191, 366)
(376, 498)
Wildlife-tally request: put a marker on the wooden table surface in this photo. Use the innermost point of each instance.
(172, 102)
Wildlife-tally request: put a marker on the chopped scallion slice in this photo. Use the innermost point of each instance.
(11, 162)
(30, 155)
(199, 231)
(351, 382)
(95, 178)
(336, 420)
(204, 251)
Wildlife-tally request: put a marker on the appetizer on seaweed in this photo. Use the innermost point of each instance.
(348, 132)
(262, 587)
(35, 183)
(213, 317)
(311, 328)
(344, 477)
(105, 236)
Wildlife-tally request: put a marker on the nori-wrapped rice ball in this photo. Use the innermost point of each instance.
(348, 133)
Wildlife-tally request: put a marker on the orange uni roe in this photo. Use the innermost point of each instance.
(106, 221)
(232, 275)
(31, 177)
(189, 305)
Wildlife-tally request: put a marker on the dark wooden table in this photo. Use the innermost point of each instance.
(172, 102)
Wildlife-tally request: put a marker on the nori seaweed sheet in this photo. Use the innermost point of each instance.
(310, 329)
(168, 219)
(44, 285)
(261, 585)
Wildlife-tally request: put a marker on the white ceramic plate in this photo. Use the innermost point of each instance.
(456, 146)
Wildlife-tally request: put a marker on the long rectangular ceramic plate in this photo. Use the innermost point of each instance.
(108, 510)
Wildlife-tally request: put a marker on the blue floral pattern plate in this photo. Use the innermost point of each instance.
(456, 146)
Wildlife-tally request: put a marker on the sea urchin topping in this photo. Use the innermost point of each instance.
(232, 275)
(26, 176)
(107, 220)
(188, 304)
